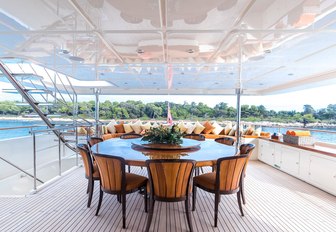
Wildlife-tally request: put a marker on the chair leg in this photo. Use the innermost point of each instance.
(150, 214)
(129, 168)
(239, 203)
(242, 191)
(88, 186)
(216, 208)
(91, 187)
(119, 198)
(194, 198)
(145, 196)
(187, 208)
(101, 193)
(123, 205)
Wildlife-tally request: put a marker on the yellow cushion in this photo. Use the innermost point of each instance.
(146, 126)
(128, 128)
(182, 127)
(198, 128)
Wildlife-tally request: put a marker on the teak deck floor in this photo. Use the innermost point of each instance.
(275, 202)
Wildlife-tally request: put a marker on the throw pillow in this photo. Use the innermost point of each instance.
(190, 128)
(128, 128)
(232, 131)
(111, 127)
(208, 128)
(228, 128)
(146, 126)
(182, 127)
(120, 128)
(257, 131)
(217, 128)
(137, 127)
(198, 128)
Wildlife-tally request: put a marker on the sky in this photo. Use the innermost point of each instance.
(317, 97)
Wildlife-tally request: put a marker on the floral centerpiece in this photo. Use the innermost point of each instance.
(165, 135)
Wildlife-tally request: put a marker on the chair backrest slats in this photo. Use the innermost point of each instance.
(84, 152)
(94, 140)
(112, 172)
(170, 178)
(229, 171)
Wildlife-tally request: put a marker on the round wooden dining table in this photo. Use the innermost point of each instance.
(205, 153)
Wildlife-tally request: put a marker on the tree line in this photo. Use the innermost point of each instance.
(193, 111)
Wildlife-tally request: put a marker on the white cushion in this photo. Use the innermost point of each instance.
(217, 128)
(233, 131)
(190, 128)
(128, 128)
(198, 128)
(146, 126)
(182, 127)
(110, 126)
(228, 128)
(257, 131)
(137, 127)
(155, 124)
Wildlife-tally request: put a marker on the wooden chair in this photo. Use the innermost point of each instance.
(94, 140)
(245, 149)
(225, 140)
(226, 180)
(114, 180)
(91, 170)
(198, 137)
(169, 181)
(130, 136)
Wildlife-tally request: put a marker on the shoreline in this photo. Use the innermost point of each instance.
(245, 123)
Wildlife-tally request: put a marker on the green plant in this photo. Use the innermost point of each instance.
(161, 134)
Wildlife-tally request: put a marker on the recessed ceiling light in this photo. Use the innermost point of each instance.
(154, 83)
(125, 83)
(267, 51)
(63, 52)
(76, 58)
(190, 50)
(179, 83)
(290, 74)
(216, 83)
(182, 73)
(140, 51)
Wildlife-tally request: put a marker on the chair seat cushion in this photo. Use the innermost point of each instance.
(207, 180)
(134, 181)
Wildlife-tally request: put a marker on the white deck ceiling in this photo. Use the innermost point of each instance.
(176, 46)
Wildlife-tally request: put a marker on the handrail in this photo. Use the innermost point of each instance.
(20, 127)
(17, 167)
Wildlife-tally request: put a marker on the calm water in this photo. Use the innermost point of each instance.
(4, 134)
(319, 136)
(330, 138)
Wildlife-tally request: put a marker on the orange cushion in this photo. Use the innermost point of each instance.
(208, 128)
(207, 180)
(120, 128)
(134, 181)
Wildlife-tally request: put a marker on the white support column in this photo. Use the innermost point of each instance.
(97, 92)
